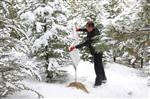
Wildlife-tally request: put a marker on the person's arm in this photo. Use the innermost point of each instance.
(89, 40)
(81, 29)
(85, 43)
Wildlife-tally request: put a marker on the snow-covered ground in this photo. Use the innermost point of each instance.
(123, 82)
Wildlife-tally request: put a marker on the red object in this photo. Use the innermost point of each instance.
(71, 48)
(77, 29)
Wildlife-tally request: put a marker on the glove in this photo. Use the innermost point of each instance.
(77, 29)
(71, 48)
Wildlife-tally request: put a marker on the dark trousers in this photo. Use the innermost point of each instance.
(99, 69)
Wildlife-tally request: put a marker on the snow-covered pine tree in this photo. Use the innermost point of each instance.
(128, 29)
(112, 9)
(47, 30)
(143, 33)
(15, 62)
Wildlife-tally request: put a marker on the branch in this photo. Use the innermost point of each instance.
(5, 2)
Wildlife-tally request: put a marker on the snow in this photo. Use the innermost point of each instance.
(123, 82)
(42, 40)
(28, 16)
(61, 19)
(39, 26)
(41, 10)
(52, 64)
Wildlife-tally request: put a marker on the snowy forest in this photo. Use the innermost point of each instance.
(35, 36)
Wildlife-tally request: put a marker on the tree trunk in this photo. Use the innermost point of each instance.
(46, 50)
(129, 61)
(47, 61)
(141, 62)
(45, 26)
(114, 58)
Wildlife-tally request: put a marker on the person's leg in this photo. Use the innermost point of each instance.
(102, 67)
(98, 79)
(99, 69)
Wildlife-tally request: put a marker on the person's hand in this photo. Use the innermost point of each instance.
(71, 48)
(77, 29)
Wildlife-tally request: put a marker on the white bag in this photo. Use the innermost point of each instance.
(75, 57)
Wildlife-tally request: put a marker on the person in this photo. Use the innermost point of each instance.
(92, 31)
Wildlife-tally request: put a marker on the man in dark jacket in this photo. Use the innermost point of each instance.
(92, 31)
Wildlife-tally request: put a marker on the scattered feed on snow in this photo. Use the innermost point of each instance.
(78, 85)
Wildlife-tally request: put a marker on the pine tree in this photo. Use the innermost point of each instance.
(15, 62)
(128, 30)
(48, 33)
